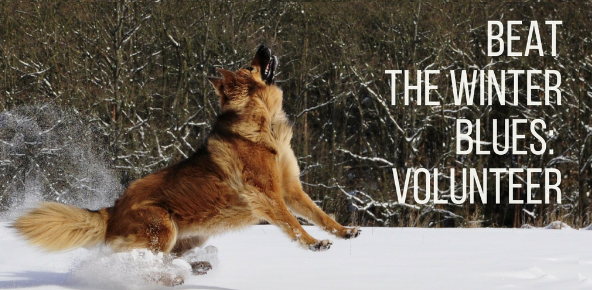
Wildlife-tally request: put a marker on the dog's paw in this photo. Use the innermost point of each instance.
(177, 281)
(320, 246)
(200, 268)
(168, 280)
(352, 233)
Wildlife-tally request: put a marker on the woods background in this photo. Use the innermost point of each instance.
(95, 95)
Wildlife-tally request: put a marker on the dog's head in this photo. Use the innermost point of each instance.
(235, 88)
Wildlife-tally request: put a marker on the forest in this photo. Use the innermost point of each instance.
(96, 95)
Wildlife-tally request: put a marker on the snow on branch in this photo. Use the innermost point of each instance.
(316, 107)
(373, 159)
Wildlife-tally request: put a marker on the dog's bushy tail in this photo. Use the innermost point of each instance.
(55, 226)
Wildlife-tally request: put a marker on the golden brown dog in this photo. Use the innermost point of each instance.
(245, 172)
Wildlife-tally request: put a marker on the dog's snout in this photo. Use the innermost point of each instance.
(264, 51)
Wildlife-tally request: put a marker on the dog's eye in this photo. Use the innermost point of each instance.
(250, 68)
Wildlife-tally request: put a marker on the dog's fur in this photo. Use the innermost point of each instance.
(245, 172)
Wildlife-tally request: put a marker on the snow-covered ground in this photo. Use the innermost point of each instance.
(261, 257)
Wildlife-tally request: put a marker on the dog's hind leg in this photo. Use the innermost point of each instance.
(301, 204)
(143, 227)
(184, 245)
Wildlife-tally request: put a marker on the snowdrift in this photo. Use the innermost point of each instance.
(261, 257)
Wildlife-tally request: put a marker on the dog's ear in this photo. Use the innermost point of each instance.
(227, 75)
(217, 83)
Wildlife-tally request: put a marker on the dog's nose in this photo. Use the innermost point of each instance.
(264, 51)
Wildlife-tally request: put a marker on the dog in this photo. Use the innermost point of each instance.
(244, 172)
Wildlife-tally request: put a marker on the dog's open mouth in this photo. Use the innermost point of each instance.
(267, 62)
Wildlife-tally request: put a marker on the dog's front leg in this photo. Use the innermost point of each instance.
(272, 208)
(300, 203)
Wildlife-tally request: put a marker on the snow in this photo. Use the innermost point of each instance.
(262, 257)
